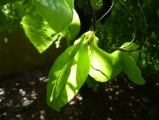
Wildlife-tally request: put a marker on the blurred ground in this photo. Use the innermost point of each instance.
(116, 100)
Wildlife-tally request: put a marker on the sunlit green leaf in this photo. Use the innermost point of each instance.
(134, 54)
(55, 72)
(101, 63)
(38, 30)
(58, 77)
(58, 13)
(73, 29)
(68, 74)
(131, 69)
(116, 69)
(83, 64)
(65, 70)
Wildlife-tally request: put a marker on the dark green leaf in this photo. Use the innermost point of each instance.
(58, 13)
(131, 69)
(134, 54)
(3, 2)
(91, 83)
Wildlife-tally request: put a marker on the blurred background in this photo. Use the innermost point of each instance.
(17, 53)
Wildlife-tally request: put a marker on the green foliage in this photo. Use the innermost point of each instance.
(3, 2)
(119, 28)
(133, 46)
(101, 66)
(92, 83)
(52, 10)
(46, 28)
(131, 69)
(70, 70)
(116, 67)
(38, 30)
(73, 29)
(9, 14)
(44, 21)
(67, 74)
(97, 4)
(127, 63)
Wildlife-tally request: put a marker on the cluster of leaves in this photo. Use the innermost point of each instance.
(71, 68)
(9, 14)
(4, 2)
(119, 28)
(46, 20)
(43, 23)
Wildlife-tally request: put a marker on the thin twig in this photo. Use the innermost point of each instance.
(106, 12)
(145, 31)
(145, 23)
(134, 21)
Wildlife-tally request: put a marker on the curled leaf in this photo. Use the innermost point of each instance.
(134, 54)
(116, 67)
(101, 64)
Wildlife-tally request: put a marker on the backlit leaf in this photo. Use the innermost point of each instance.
(131, 69)
(116, 67)
(101, 63)
(134, 54)
(38, 30)
(68, 74)
(77, 77)
(55, 72)
(58, 13)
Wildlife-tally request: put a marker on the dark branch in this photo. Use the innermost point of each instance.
(93, 15)
(145, 29)
(134, 20)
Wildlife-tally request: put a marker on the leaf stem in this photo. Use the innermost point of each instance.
(106, 12)
(93, 15)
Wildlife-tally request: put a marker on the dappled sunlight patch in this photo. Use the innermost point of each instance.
(42, 114)
(18, 116)
(79, 97)
(43, 79)
(22, 92)
(34, 94)
(111, 108)
(2, 93)
(72, 102)
(19, 93)
(114, 99)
